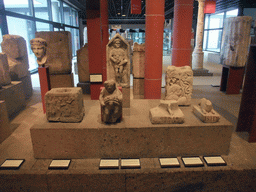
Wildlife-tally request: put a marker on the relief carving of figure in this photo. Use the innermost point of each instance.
(118, 60)
(111, 102)
(38, 46)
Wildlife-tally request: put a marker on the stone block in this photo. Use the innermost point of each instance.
(179, 84)
(61, 80)
(14, 97)
(85, 87)
(126, 97)
(83, 64)
(27, 85)
(15, 48)
(138, 86)
(138, 60)
(206, 117)
(5, 130)
(64, 104)
(5, 78)
(167, 112)
(235, 41)
(59, 51)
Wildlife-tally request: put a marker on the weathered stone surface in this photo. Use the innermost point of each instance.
(5, 78)
(126, 97)
(138, 86)
(111, 102)
(5, 130)
(167, 112)
(64, 105)
(179, 84)
(59, 51)
(61, 80)
(235, 41)
(205, 112)
(83, 64)
(15, 48)
(138, 60)
(118, 61)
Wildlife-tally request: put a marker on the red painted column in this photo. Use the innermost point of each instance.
(94, 49)
(154, 48)
(45, 86)
(182, 26)
(105, 35)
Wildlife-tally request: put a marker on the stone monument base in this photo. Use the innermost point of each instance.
(85, 87)
(138, 88)
(61, 80)
(14, 97)
(126, 97)
(134, 137)
(5, 130)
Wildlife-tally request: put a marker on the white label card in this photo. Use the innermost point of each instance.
(109, 163)
(169, 162)
(95, 78)
(60, 163)
(214, 160)
(130, 163)
(192, 161)
(12, 163)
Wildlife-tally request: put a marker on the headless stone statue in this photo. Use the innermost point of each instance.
(111, 102)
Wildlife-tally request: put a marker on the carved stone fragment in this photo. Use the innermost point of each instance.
(167, 112)
(205, 112)
(38, 46)
(179, 84)
(64, 105)
(111, 102)
(118, 61)
(83, 64)
(235, 41)
(138, 60)
(5, 78)
(15, 48)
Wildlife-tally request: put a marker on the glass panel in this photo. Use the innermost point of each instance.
(232, 13)
(205, 40)
(42, 26)
(75, 39)
(18, 6)
(206, 22)
(41, 9)
(56, 11)
(24, 28)
(216, 21)
(74, 18)
(67, 14)
(214, 40)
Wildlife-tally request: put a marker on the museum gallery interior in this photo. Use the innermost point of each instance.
(127, 95)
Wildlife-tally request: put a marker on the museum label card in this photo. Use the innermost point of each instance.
(59, 164)
(130, 163)
(192, 162)
(169, 162)
(109, 164)
(12, 164)
(96, 78)
(215, 161)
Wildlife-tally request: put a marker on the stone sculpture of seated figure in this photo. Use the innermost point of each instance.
(111, 102)
(206, 106)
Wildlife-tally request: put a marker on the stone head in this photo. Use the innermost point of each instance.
(117, 43)
(110, 86)
(38, 46)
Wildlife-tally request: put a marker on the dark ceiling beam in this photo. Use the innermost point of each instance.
(126, 21)
(76, 4)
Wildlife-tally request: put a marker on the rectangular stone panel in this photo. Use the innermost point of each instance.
(138, 86)
(5, 78)
(5, 130)
(61, 80)
(83, 64)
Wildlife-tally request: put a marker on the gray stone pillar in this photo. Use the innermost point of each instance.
(198, 54)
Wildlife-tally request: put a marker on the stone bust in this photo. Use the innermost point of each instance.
(111, 102)
(38, 46)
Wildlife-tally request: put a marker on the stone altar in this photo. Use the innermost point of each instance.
(235, 41)
(64, 105)
(167, 112)
(5, 78)
(111, 102)
(179, 84)
(205, 112)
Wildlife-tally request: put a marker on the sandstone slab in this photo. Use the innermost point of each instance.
(5, 78)
(83, 64)
(138, 60)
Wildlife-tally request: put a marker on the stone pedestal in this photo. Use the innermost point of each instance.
(134, 137)
(5, 130)
(61, 80)
(235, 41)
(14, 97)
(64, 105)
(5, 78)
(198, 54)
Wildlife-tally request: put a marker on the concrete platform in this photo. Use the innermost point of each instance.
(134, 137)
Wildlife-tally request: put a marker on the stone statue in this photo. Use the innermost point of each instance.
(118, 67)
(38, 46)
(179, 84)
(111, 102)
(167, 112)
(205, 112)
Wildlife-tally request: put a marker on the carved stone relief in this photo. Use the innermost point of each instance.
(179, 84)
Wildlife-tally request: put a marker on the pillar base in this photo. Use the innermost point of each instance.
(201, 72)
(197, 60)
